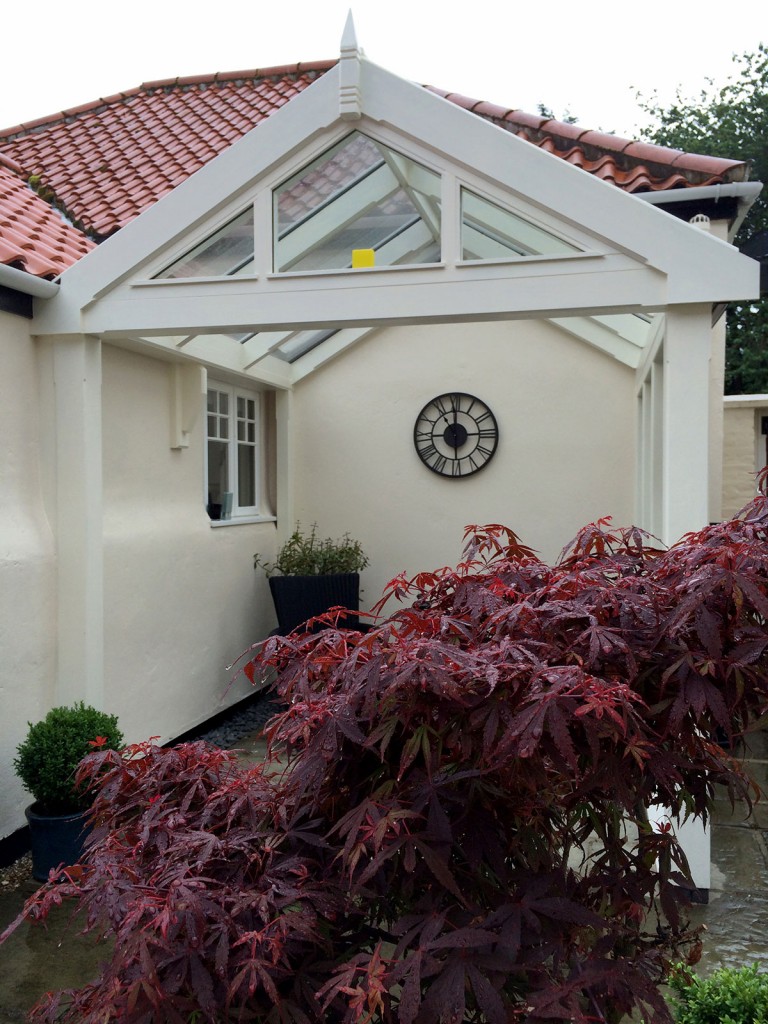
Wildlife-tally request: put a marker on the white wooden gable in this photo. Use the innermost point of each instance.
(629, 260)
(625, 277)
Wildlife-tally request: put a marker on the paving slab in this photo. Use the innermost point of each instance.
(37, 959)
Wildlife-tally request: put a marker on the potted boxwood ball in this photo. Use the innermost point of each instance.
(311, 575)
(46, 762)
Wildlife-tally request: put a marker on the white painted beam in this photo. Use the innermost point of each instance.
(530, 288)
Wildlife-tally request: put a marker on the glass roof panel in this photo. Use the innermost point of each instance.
(227, 253)
(359, 194)
(490, 232)
(302, 342)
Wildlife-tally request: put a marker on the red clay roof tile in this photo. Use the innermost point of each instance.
(33, 235)
(105, 161)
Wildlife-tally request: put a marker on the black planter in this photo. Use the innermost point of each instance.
(56, 839)
(298, 598)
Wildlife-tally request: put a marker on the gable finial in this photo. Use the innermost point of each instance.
(349, 74)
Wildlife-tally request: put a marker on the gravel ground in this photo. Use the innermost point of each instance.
(15, 875)
(242, 721)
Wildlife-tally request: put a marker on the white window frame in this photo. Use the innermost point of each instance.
(239, 511)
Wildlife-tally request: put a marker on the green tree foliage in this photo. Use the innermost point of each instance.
(730, 121)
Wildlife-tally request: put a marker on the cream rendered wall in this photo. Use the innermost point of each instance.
(744, 451)
(181, 599)
(27, 564)
(565, 457)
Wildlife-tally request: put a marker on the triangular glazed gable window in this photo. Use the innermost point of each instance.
(226, 253)
(359, 195)
(490, 232)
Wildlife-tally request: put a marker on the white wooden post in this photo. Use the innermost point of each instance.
(685, 476)
(685, 459)
(79, 520)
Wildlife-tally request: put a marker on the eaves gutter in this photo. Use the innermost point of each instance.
(744, 192)
(27, 284)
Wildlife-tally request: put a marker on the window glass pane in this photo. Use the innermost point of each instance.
(232, 449)
(217, 415)
(298, 344)
(359, 195)
(226, 253)
(246, 475)
(218, 477)
(490, 232)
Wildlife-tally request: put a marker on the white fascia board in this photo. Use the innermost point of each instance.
(702, 267)
(599, 336)
(586, 285)
(309, 114)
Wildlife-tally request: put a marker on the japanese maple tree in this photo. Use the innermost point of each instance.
(452, 824)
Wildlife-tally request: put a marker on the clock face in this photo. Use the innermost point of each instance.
(455, 434)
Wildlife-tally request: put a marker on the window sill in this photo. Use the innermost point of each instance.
(241, 521)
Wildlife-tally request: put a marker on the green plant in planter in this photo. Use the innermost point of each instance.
(728, 997)
(47, 759)
(304, 554)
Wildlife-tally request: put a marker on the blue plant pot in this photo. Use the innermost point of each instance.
(56, 839)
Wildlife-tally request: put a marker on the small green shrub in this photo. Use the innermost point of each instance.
(728, 997)
(304, 554)
(54, 747)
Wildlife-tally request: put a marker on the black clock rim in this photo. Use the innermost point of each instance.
(451, 461)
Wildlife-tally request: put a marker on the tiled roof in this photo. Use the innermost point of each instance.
(106, 161)
(33, 235)
(632, 166)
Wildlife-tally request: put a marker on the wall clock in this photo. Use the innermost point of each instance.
(455, 434)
